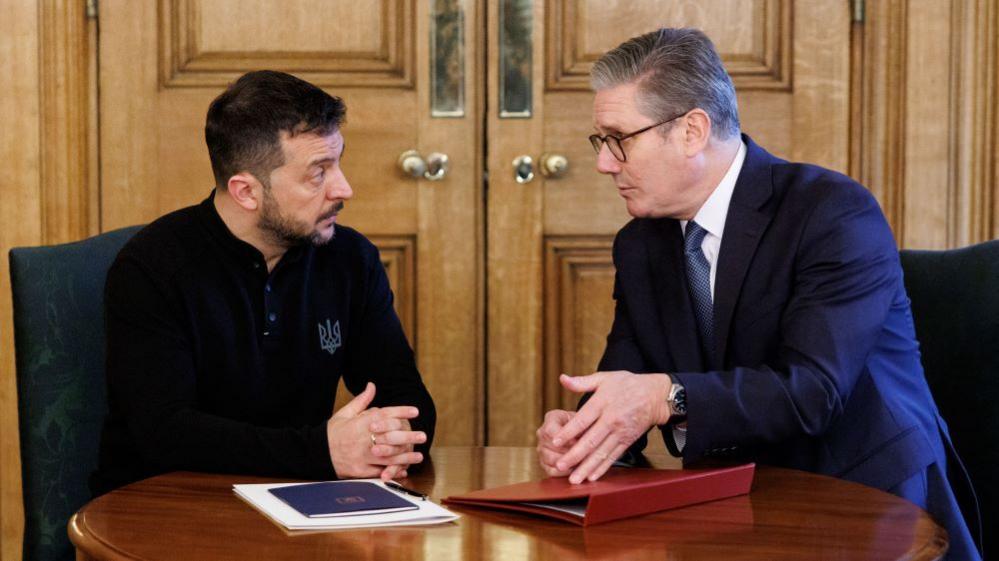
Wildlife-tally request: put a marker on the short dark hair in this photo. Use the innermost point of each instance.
(244, 124)
(676, 69)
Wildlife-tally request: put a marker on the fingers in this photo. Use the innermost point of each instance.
(579, 423)
(584, 449)
(554, 420)
(383, 414)
(548, 452)
(399, 438)
(393, 472)
(599, 456)
(360, 402)
(405, 458)
(548, 458)
(382, 424)
(581, 384)
(606, 465)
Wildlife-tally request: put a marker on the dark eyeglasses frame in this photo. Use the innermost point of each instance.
(598, 141)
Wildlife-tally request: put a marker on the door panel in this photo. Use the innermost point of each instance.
(161, 64)
(550, 275)
(541, 270)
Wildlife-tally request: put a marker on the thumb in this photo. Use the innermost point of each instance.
(581, 384)
(360, 402)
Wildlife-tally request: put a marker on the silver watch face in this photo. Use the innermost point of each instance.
(678, 400)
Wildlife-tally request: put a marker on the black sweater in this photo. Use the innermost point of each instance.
(215, 365)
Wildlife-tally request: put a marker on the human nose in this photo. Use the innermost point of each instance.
(606, 162)
(339, 187)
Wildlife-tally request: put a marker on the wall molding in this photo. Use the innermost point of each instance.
(568, 260)
(184, 63)
(68, 163)
(767, 69)
(973, 107)
(878, 124)
(398, 255)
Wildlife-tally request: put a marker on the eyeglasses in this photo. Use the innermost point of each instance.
(614, 142)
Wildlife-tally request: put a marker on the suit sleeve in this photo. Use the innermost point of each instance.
(153, 388)
(846, 274)
(382, 354)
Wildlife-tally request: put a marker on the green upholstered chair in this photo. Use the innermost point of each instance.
(955, 305)
(58, 297)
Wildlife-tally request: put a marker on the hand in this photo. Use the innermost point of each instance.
(548, 452)
(391, 438)
(622, 408)
(349, 435)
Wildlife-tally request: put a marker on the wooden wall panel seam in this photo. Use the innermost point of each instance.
(64, 51)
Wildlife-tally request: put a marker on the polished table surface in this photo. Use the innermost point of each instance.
(788, 515)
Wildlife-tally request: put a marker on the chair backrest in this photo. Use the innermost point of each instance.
(955, 305)
(58, 297)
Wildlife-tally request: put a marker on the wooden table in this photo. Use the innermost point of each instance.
(789, 515)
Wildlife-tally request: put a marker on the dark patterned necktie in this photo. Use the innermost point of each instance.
(699, 282)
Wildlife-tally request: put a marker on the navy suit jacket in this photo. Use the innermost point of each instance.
(815, 363)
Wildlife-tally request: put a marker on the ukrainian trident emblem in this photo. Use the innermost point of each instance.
(329, 336)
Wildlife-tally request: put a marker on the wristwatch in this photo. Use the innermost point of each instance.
(677, 401)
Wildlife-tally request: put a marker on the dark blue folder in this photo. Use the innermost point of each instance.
(341, 498)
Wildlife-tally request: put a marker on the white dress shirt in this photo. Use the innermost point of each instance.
(714, 211)
(711, 217)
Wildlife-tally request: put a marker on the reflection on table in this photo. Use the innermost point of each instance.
(789, 515)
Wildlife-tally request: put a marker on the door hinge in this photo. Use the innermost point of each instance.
(858, 11)
(91, 9)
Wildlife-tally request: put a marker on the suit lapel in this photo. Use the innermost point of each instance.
(744, 227)
(675, 312)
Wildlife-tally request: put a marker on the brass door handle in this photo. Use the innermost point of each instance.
(412, 164)
(554, 165)
(523, 169)
(434, 168)
(437, 166)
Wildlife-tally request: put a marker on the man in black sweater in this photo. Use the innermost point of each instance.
(230, 323)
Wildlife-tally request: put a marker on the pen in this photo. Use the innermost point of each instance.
(401, 489)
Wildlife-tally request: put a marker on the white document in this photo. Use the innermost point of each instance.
(259, 496)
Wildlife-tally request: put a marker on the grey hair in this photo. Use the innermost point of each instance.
(676, 69)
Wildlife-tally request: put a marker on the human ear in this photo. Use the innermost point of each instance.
(698, 131)
(245, 190)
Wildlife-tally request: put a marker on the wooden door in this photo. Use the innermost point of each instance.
(549, 269)
(162, 62)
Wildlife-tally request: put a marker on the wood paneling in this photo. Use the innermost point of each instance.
(806, 122)
(974, 107)
(69, 198)
(398, 255)
(450, 296)
(514, 261)
(820, 106)
(200, 46)
(752, 37)
(928, 116)
(878, 136)
(20, 224)
(579, 311)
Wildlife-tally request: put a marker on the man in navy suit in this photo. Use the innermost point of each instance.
(760, 311)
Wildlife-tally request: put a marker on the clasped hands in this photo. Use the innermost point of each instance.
(373, 442)
(584, 444)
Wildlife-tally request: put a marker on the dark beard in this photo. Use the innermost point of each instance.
(288, 232)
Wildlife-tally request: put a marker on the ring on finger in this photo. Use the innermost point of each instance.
(373, 441)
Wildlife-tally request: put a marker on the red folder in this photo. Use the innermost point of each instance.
(620, 493)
